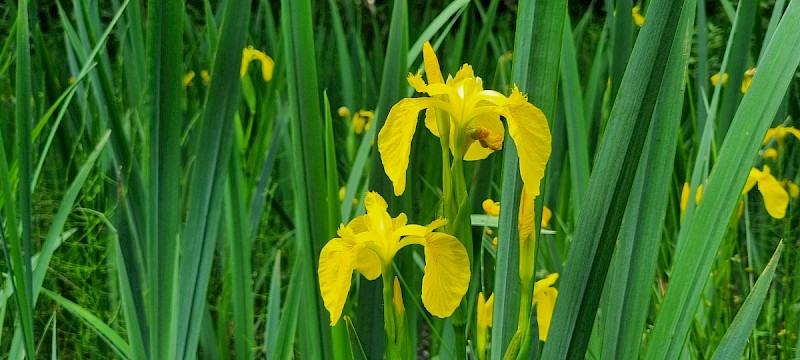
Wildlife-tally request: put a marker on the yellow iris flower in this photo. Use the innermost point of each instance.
(779, 132)
(776, 199)
(748, 78)
(716, 77)
(485, 310)
(491, 207)
(474, 122)
(544, 297)
(638, 19)
(267, 64)
(368, 244)
(770, 153)
(205, 76)
(362, 120)
(187, 78)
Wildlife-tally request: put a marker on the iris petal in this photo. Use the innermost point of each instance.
(544, 311)
(528, 127)
(336, 264)
(446, 276)
(776, 199)
(394, 140)
(432, 70)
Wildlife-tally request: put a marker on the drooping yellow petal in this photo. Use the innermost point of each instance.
(446, 276)
(336, 265)
(544, 297)
(432, 70)
(485, 310)
(491, 207)
(779, 132)
(544, 310)
(715, 79)
(638, 19)
(776, 199)
(528, 128)
(752, 179)
(394, 140)
(547, 214)
(368, 263)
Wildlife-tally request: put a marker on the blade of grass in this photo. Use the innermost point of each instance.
(634, 264)
(610, 185)
(207, 180)
(737, 154)
(22, 250)
(311, 220)
(537, 45)
(735, 339)
(116, 342)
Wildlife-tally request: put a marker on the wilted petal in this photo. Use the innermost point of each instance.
(336, 264)
(528, 127)
(446, 276)
(394, 140)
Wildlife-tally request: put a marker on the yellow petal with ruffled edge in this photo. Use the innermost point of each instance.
(446, 276)
(336, 263)
(485, 310)
(528, 128)
(752, 179)
(776, 199)
(394, 140)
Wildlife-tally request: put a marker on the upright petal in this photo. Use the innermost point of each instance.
(528, 127)
(547, 214)
(446, 276)
(432, 70)
(394, 140)
(336, 263)
(485, 310)
(776, 199)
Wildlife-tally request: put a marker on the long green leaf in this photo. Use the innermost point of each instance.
(735, 339)
(207, 180)
(610, 185)
(634, 264)
(537, 56)
(737, 154)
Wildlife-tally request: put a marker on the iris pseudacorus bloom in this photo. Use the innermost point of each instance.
(638, 19)
(369, 242)
(474, 123)
(776, 198)
(544, 297)
(250, 54)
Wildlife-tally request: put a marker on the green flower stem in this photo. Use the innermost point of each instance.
(390, 327)
(527, 258)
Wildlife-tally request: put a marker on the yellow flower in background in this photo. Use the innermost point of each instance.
(205, 76)
(362, 120)
(397, 299)
(250, 54)
(779, 133)
(343, 111)
(791, 188)
(544, 297)
(485, 310)
(770, 153)
(491, 207)
(187, 78)
(547, 214)
(369, 242)
(685, 196)
(474, 121)
(776, 199)
(748, 78)
(715, 79)
(638, 19)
